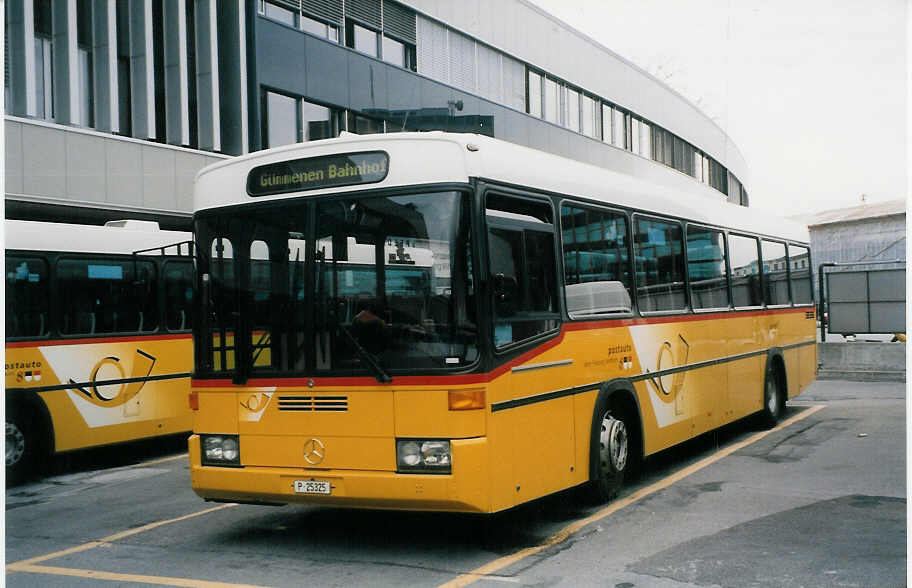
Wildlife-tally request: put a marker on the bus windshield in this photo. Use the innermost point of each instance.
(335, 286)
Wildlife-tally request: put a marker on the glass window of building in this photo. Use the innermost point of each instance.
(745, 271)
(552, 101)
(394, 52)
(572, 110)
(645, 140)
(607, 117)
(619, 129)
(363, 125)
(281, 120)
(317, 122)
(44, 60)
(535, 94)
(318, 28)
(590, 117)
(634, 134)
(363, 39)
(278, 13)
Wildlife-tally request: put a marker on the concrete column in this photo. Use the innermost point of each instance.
(142, 72)
(207, 76)
(66, 71)
(176, 87)
(104, 64)
(232, 48)
(21, 57)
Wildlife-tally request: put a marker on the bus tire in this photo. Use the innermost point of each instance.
(773, 403)
(613, 449)
(23, 443)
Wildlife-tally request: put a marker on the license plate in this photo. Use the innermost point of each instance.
(312, 487)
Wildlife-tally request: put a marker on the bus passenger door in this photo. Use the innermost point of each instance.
(537, 421)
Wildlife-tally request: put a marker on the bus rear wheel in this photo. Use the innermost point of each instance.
(613, 457)
(772, 399)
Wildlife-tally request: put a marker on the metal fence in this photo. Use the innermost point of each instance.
(863, 301)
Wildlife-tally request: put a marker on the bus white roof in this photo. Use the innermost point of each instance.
(437, 157)
(118, 237)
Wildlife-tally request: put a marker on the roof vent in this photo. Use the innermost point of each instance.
(133, 225)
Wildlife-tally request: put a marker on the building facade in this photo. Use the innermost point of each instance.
(112, 106)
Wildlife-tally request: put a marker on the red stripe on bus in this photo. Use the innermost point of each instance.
(484, 378)
(93, 340)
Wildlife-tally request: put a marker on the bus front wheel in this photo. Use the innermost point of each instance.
(21, 445)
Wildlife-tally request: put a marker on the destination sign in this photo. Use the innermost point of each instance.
(318, 172)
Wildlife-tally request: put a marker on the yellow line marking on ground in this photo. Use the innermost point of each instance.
(30, 563)
(160, 580)
(162, 460)
(566, 532)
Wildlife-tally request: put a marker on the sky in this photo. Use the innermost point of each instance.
(813, 92)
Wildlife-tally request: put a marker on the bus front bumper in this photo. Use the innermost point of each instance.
(466, 489)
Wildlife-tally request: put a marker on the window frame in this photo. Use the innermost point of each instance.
(810, 267)
(688, 307)
(562, 278)
(731, 271)
(763, 276)
(728, 275)
(521, 226)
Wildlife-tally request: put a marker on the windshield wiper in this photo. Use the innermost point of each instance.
(366, 357)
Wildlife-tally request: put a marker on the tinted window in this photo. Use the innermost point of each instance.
(745, 271)
(178, 277)
(775, 274)
(107, 296)
(523, 270)
(27, 311)
(706, 268)
(596, 261)
(659, 265)
(800, 265)
(222, 290)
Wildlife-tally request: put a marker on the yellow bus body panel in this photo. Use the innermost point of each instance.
(533, 436)
(88, 415)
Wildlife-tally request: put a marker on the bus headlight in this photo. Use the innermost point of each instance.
(427, 456)
(221, 450)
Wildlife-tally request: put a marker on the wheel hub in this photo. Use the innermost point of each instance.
(614, 443)
(15, 444)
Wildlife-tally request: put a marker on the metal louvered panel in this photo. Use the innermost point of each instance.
(313, 403)
(328, 10)
(398, 21)
(462, 61)
(432, 50)
(289, 4)
(367, 11)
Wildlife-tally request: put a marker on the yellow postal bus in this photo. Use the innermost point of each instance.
(572, 321)
(98, 342)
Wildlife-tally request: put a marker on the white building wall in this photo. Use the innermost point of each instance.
(526, 32)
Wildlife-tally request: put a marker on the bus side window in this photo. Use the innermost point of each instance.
(745, 271)
(27, 297)
(107, 296)
(178, 277)
(775, 273)
(596, 261)
(659, 247)
(523, 269)
(706, 268)
(800, 268)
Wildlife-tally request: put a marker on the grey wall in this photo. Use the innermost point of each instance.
(51, 163)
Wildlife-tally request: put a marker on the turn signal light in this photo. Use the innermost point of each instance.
(466, 399)
(194, 400)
